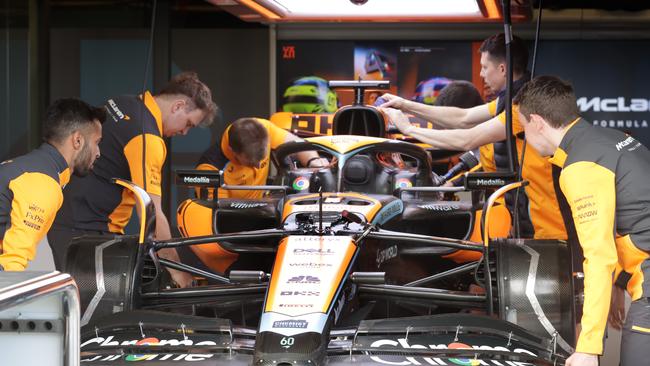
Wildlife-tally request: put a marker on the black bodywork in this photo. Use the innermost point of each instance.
(394, 294)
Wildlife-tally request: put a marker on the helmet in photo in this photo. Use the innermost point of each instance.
(428, 90)
(309, 94)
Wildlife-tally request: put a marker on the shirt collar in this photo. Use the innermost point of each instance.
(60, 164)
(154, 109)
(559, 156)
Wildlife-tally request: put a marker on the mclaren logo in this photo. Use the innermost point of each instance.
(247, 205)
(624, 143)
(200, 180)
(117, 111)
(618, 104)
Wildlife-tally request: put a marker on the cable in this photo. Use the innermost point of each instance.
(523, 149)
(144, 89)
(8, 77)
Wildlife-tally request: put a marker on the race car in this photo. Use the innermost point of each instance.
(361, 262)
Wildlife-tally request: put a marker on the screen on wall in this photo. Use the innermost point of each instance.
(610, 77)
(414, 69)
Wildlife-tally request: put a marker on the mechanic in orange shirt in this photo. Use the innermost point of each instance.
(468, 128)
(244, 155)
(31, 185)
(96, 205)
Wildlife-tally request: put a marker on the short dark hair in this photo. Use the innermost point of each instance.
(459, 93)
(495, 46)
(551, 98)
(65, 116)
(188, 84)
(247, 136)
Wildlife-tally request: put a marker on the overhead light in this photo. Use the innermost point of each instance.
(375, 10)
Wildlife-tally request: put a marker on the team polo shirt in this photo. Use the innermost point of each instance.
(543, 208)
(30, 196)
(96, 203)
(604, 179)
(221, 158)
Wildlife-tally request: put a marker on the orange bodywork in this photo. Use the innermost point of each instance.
(197, 220)
(499, 224)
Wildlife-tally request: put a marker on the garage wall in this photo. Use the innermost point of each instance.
(94, 64)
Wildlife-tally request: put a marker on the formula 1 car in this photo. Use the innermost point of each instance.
(358, 263)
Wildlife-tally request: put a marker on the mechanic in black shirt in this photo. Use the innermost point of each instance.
(603, 175)
(95, 205)
(31, 185)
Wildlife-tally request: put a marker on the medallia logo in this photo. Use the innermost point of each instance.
(201, 180)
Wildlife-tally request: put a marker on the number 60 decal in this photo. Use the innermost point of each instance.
(287, 342)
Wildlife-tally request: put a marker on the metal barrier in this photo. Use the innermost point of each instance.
(39, 319)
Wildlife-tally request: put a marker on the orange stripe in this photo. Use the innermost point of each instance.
(277, 267)
(141, 205)
(153, 107)
(334, 285)
(477, 80)
(260, 9)
(492, 9)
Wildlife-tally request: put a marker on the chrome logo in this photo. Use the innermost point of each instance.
(151, 341)
(300, 183)
(403, 183)
(462, 361)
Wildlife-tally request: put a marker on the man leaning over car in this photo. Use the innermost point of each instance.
(603, 175)
(244, 155)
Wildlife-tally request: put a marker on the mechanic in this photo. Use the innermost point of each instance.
(463, 94)
(31, 185)
(244, 155)
(467, 129)
(603, 175)
(95, 205)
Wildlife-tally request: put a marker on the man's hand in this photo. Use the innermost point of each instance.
(582, 359)
(182, 279)
(399, 119)
(392, 101)
(617, 308)
(318, 163)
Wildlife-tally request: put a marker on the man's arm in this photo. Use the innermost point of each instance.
(461, 140)
(591, 192)
(182, 279)
(307, 158)
(36, 199)
(151, 181)
(442, 117)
